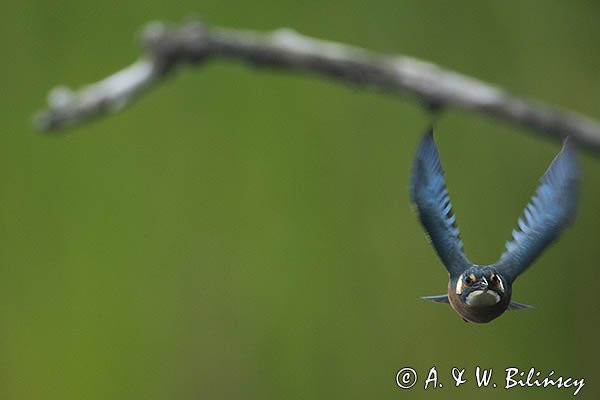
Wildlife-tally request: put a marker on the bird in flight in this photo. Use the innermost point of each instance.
(481, 293)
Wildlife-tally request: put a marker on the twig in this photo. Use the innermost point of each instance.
(168, 47)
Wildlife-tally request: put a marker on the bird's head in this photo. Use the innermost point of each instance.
(481, 287)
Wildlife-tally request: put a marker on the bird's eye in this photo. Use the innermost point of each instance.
(468, 280)
(494, 279)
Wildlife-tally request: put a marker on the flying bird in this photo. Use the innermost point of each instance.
(481, 293)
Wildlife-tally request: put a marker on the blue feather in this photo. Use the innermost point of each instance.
(550, 211)
(429, 194)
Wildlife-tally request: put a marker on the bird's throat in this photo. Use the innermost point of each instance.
(482, 298)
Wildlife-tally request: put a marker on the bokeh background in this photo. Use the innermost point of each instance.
(247, 234)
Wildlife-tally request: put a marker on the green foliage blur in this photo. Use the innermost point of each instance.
(247, 234)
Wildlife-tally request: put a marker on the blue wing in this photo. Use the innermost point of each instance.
(549, 212)
(429, 194)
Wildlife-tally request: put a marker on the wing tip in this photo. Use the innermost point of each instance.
(568, 142)
(429, 131)
(569, 150)
(427, 142)
(426, 159)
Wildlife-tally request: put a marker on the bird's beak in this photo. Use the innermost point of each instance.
(482, 284)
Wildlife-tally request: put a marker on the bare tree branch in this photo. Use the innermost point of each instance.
(168, 47)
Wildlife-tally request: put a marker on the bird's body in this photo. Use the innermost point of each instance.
(482, 293)
(481, 304)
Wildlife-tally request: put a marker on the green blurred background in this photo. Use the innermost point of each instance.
(247, 234)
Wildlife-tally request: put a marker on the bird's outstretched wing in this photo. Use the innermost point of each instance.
(551, 209)
(429, 194)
